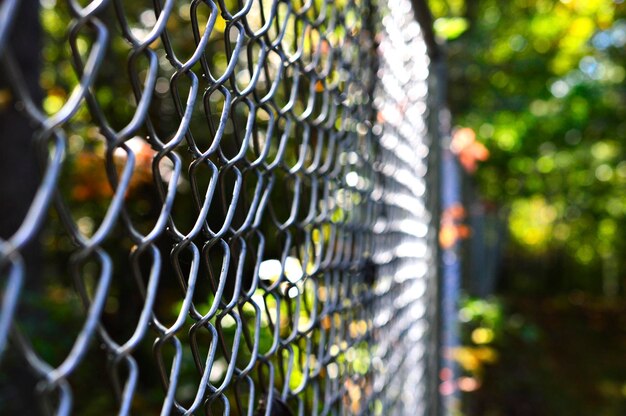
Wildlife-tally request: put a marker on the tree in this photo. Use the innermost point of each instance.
(541, 82)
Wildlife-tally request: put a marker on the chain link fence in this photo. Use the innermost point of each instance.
(219, 207)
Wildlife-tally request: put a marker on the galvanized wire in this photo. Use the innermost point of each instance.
(405, 317)
(255, 238)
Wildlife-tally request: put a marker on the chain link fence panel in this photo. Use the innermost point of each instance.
(233, 209)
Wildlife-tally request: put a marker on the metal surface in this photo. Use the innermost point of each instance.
(235, 207)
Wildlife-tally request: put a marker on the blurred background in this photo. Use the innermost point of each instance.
(537, 95)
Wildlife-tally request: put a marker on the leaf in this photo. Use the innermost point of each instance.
(450, 28)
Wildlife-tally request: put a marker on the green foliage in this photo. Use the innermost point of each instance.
(542, 84)
(451, 27)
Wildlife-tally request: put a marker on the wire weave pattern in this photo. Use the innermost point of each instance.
(233, 204)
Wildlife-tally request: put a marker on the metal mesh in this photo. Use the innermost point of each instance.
(232, 213)
(405, 248)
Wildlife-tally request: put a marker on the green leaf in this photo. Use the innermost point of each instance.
(450, 27)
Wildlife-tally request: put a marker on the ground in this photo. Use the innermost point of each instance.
(562, 356)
